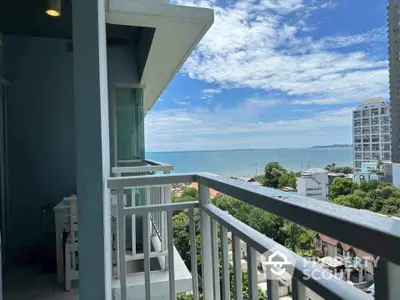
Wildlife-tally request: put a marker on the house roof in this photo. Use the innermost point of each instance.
(346, 247)
(327, 239)
(213, 193)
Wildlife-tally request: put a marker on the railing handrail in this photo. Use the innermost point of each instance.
(379, 235)
(325, 287)
(153, 166)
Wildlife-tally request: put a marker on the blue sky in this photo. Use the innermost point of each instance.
(274, 74)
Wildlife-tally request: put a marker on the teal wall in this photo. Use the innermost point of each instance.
(41, 132)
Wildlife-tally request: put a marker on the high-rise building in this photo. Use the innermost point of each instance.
(313, 183)
(371, 132)
(394, 74)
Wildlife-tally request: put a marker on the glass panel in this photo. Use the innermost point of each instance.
(386, 138)
(365, 122)
(375, 138)
(129, 123)
(375, 121)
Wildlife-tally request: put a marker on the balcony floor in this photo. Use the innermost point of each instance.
(21, 283)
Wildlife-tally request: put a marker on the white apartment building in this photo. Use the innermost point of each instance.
(394, 77)
(371, 132)
(313, 183)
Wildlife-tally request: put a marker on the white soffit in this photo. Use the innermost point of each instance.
(178, 30)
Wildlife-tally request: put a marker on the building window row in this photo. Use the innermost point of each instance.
(313, 194)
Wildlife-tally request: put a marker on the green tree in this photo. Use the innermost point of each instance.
(367, 186)
(341, 187)
(297, 238)
(287, 179)
(335, 169)
(272, 174)
(354, 201)
(331, 167)
(188, 194)
(245, 280)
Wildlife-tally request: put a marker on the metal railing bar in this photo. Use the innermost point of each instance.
(121, 243)
(252, 273)
(225, 263)
(237, 268)
(328, 288)
(133, 222)
(168, 192)
(171, 265)
(141, 255)
(161, 207)
(215, 261)
(386, 280)
(349, 225)
(193, 254)
(272, 287)
(146, 253)
(156, 163)
(140, 169)
(206, 251)
(148, 180)
(298, 290)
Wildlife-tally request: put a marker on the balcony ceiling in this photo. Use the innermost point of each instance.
(178, 29)
(28, 18)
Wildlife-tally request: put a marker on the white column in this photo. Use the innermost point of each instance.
(92, 144)
(206, 250)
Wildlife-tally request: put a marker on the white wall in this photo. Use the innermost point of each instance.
(314, 186)
(396, 174)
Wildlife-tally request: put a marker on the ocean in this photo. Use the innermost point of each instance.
(242, 163)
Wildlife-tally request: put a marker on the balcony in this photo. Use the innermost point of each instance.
(352, 226)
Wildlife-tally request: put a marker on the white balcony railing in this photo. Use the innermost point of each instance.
(379, 235)
(138, 197)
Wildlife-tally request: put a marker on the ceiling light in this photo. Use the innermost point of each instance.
(53, 8)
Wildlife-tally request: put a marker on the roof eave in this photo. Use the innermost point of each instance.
(178, 31)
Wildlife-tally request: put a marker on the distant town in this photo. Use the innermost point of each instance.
(334, 146)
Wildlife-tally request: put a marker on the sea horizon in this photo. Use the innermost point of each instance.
(248, 162)
(239, 149)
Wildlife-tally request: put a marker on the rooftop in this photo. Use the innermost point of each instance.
(374, 102)
(314, 171)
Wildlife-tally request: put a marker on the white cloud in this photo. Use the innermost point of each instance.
(182, 102)
(239, 127)
(208, 94)
(255, 45)
(374, 35)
